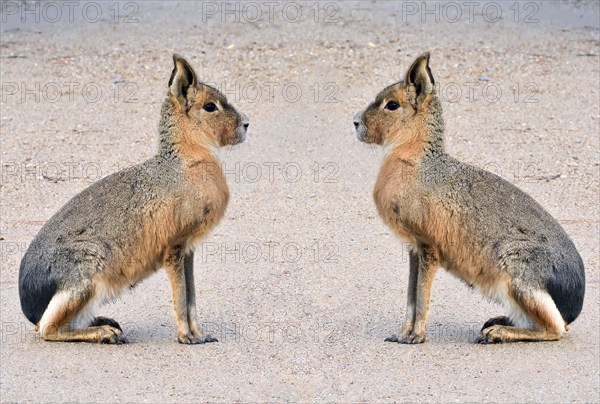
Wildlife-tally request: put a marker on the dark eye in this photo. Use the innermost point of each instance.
(210, 107)
(392, 105)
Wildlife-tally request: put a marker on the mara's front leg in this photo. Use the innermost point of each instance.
(423, 266)
(191, 300)
(175, 265)
(411, 299)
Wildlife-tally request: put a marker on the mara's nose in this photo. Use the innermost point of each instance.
(357, 119)
(246, 124)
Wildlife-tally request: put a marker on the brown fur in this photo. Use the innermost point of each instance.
(136, 221)
(439, 206)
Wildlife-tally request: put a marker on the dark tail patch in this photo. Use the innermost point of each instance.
(36, 289)
(566, 286)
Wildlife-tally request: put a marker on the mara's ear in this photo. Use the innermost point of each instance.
(182, 78)
(420, 76)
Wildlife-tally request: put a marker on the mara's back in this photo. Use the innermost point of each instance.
(93, 230)
(490, 218)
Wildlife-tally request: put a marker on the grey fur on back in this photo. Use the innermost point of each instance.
(97, 223)
(507, 226)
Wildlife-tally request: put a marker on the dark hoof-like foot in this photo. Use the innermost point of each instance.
(190, 339)
(413, 339)
(210, 338)
(393, 338)
(110, 335)
(502, 320)
(491, 335)
(99, 321)
(409, 339)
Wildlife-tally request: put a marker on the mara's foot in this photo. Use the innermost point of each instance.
(411, 338)
(190, 339)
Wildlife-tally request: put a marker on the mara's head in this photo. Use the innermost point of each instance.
(400, 108)
(203, 109)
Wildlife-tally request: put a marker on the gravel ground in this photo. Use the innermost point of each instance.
(301, 281)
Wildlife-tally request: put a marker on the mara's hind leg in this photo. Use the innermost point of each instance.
(56, 323)
(540, 308)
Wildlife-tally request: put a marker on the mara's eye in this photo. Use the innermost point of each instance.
(392, 105)
(210, 107)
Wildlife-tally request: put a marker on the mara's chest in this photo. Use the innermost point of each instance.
(203, 205)
(395, 198)
(212, 198)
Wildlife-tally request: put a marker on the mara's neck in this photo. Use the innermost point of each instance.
(423, 138)
(178, 140)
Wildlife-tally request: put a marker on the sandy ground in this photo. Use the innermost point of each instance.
(301, 281)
